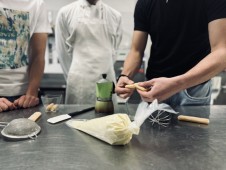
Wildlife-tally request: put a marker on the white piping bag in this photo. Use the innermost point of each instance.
(116, 129)
(144, 110)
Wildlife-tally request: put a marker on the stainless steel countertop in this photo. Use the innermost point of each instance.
(181, 145)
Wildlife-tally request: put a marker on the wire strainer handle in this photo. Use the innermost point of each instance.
(35, 116)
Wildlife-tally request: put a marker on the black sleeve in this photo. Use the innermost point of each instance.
(140, 16)
(216, 9)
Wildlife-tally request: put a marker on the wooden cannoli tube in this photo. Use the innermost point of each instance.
(193, 119)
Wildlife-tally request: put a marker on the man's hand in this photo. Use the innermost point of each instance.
(6, 105)
(120, 87)
(26, 101)
(161, 89)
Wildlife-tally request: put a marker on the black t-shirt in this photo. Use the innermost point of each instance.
(178, 31)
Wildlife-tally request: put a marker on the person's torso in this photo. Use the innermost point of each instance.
(92, 31)
(93, 40)
(92, 34)
(18, 20)
(179, 35)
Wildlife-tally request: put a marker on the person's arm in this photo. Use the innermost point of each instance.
(132, 63)
(134, 58)
(62, 46)
(215, 62)
(211, 65)
(37, 46)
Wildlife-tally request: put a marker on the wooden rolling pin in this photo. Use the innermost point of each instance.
(193, 119)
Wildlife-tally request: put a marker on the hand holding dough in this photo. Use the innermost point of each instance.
(135, 86)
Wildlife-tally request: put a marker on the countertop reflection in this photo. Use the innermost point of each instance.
(181, 145)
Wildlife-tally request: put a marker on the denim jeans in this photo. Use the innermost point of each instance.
(193, 96)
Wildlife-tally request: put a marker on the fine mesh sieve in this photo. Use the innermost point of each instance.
(22, 128)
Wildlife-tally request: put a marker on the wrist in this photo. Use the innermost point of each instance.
(122, 75)
(33, 92)
(180, 82)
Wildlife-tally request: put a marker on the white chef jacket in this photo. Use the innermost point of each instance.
(87, 37)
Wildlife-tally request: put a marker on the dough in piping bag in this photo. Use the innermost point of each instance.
(116, 129)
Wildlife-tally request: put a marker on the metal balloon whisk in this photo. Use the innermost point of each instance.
(161, 118)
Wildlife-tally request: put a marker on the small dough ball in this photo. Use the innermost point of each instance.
(48, 108)
(54, 107)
